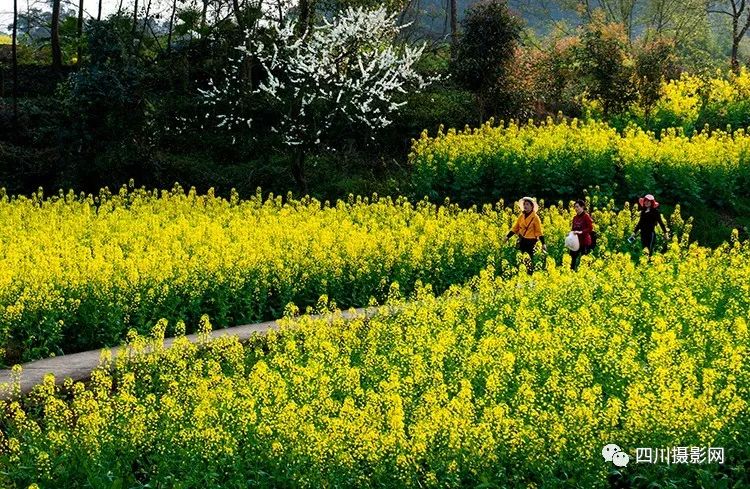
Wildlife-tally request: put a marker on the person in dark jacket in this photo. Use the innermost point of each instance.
(583, 226)
(650, 217)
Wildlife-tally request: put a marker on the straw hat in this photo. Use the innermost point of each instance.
(531, 199)
(642, 201)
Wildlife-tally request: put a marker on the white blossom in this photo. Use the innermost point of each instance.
(345, 69)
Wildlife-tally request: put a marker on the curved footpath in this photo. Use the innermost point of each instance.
(78, 366)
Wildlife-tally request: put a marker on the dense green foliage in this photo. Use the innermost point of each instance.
(484, 54)
(129, 107)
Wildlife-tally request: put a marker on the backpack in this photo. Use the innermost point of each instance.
(593, 235)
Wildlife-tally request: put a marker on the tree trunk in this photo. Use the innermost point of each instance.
(155, 36)
(739, 8)
(28, 20)
(480, 107)
(14, 55)
(99, 11)
(171, 27)
(304, 16)
(135, 17)
(204, 13)
(298, 170)
(145, 24)
(447, 19)
(55, 41)
(79, 32)
(738, 36)
(454, 24)
(735, 39)
(238, 14)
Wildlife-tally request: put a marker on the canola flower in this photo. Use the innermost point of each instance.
(697, 103)
(559, 159)
(507, 382)
(78, 272)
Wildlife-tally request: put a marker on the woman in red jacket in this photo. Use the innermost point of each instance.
(583, 225)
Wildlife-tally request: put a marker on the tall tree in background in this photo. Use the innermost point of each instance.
(55, 37)
(79, 33)
(135, 17)
(655, 62)
(484, 52)
(204, 14)
(604, 65)
(454, 24)
(623, 12)
(674, 19)
(739, 12)
(171, 26)
(304, 12)
(145, 25)
(14, 54)
(684, 24)
(346, 73)
(238, 14)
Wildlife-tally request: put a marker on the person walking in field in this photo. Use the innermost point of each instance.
(528, 227)
(650, 217)
(582, 227)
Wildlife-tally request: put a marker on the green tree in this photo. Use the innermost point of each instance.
(739, 13)
(334, 6)
(485, 51)
(679, 20)
(55, 39)
(346, 72)
(655, 61)
(605, 67)
(14, 57)
(623, 12)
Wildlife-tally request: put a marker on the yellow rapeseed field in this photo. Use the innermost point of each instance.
(77, 272)
(564, 158)
(504, 382)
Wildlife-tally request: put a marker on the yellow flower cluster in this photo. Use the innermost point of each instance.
(693, 102)
(562, 159)
(503, 382)
(77, 272)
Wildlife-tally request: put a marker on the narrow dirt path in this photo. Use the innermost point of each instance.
(78, 366)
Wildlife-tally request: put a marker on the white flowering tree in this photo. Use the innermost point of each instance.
(346, 70)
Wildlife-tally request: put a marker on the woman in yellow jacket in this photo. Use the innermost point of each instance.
(528, 227)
